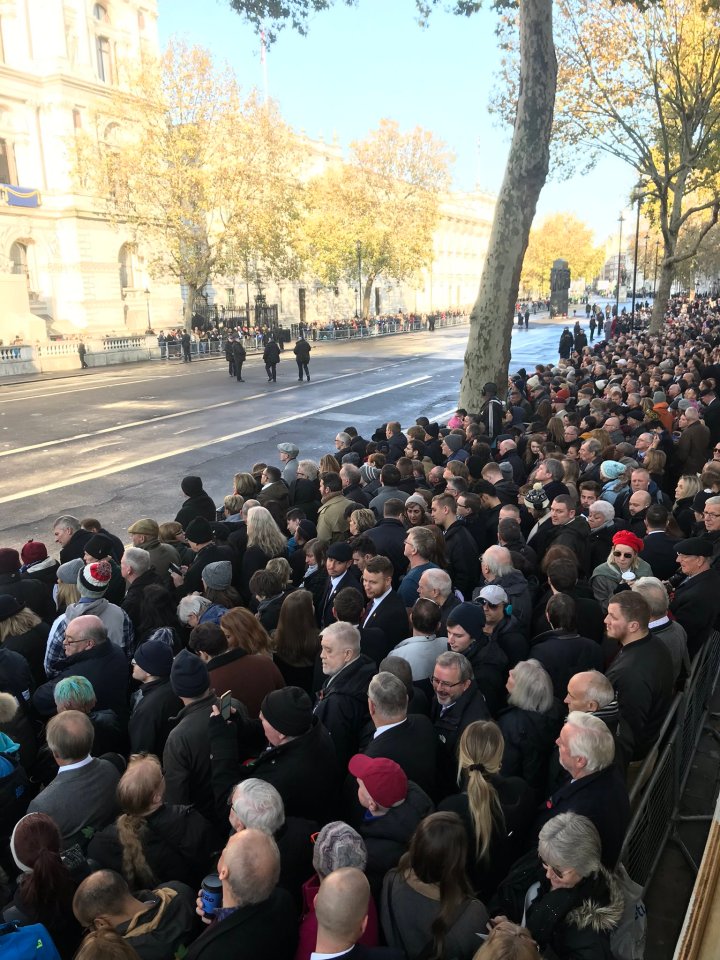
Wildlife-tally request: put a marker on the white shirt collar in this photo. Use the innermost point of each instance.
(327, 956)
(387, 726)
(75, 766)
(658, 623)
(378, 600)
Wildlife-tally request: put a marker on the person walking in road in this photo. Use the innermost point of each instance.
(82, 350)
(302, 357)
(271, 358)
(239, 355)
(185, 341)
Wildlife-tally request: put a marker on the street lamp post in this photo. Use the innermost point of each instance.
(147, 304)
(647, 237)
(637, 195)
(358, 247)
(621, 221)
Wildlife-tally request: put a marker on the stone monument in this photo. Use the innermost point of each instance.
(559, 286)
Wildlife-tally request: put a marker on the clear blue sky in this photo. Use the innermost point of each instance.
(360, 64)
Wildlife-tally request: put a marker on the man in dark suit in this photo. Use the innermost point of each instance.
(388, 535)
(408, 740)
(386, 610)
(257, 919)
(342, 573)
(596, 788)
(696, 604)
(349, 606)
(659, 549)
(341, 908)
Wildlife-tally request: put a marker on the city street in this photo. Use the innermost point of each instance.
(115, 444)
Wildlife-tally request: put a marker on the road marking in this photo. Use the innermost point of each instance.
(122, 467)
(67, 393)
(172, 416)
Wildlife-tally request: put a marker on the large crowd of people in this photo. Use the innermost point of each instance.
(385, 705)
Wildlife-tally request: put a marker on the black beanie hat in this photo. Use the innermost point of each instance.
(199, 530)
(191, 486)
(189, 675)
(99, 546)
(288, 710)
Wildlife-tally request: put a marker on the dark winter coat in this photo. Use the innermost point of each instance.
(388, 535)
(391, 618)
(107, 669)
(490, 666)
(659, 551)
(511, 639)
(304, 771)
(696, 605)
(342, 706)
(463, 561)
(133, 602)
(186, 758)
(643, 677)
(529, 740)
(149, 723)
(178, 844)
(302, 351)
(30, 593)
(200, 506)
(261, 931)
(565, 923)
(564, 653)
(75, 548)
(413, 745)
(449, 726)
(31, 645)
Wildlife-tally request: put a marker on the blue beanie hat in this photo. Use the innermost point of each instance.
(612, 469)
(189, 676)
(154, 657)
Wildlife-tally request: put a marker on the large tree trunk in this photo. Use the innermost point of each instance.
(491, 321)
(662, 294)
(366, 294)
(192, 292)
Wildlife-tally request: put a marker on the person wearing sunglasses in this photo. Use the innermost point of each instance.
(561, 892)
(623, 565)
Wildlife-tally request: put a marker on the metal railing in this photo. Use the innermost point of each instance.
(657, 796)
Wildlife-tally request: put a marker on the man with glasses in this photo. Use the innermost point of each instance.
(90, 654)
(457, 702)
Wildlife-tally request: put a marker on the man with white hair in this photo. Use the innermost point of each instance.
(436, 585)
(257, 805)
(497, 567)
(671, 632)
(596, 788)
(508, 454)
(342, 703)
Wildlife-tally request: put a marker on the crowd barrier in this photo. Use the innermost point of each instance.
(383, 328)
(656, 795)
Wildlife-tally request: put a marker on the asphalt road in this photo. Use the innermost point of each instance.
(114, 444)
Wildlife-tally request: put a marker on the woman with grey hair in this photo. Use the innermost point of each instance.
(337, 845)
(529, 725)
(564, 896)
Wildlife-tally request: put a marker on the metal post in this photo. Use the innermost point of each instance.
(358, 247)
(621, 221)
(635, 256)
(647, 237)
(147, 303)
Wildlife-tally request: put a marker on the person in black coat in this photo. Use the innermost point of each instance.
(26, 590)
(457, 703)
(561, 649)
(342, 703)
(263, 925)
(465, 631)
(408, 740)
(271, 358)
(93, 656)
(198, 503)
(22, 631)
(529, 725)
(342, 575)
(152, 841)
(155, 702)
(386, 611)
(659, 548)
(238, 358)
(71, 537)
(302, 357)
(388, 535)
(461, 552)
(595, 789)
(293, 752)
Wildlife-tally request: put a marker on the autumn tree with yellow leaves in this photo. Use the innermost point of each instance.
(207, 178)
(375, 215)
(561, 235)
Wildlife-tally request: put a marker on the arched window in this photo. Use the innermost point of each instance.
(100, 13)
(125, 263)
(19, 258)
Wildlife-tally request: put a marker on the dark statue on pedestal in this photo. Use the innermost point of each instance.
(559, 286)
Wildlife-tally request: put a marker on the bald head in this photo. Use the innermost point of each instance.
(249, 868)
(341, 907)
(639, 501)
(85, 630)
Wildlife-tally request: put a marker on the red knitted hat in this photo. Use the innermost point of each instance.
(625, 538)
(33, 552)
(93, 579)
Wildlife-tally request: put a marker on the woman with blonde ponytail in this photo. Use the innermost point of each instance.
(151, 841)
(495, 810)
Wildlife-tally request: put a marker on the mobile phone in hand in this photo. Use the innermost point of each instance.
(225, 703)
